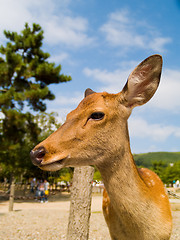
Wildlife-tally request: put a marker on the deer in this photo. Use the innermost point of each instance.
(135, 202)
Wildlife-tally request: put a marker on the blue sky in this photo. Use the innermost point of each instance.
(99, 43)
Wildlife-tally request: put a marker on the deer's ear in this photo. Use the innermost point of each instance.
(88, 92)
(142, 82)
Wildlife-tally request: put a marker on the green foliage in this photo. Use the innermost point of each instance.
(65, 175)
(158, 167)
(97, 175)
(25, 76)
(159, 162)
(25, 72)
(171, 173)
(147, 159)
(165, 164)
(48, 123)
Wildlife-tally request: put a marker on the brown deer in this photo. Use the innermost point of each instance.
(135, 206)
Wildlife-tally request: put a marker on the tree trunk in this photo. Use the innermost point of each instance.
(25, 188)
(80, 208)
(11, 197)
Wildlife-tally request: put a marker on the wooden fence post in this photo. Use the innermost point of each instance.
(11, 197)
(80, 208)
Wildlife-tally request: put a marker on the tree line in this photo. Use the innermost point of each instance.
(165, 164)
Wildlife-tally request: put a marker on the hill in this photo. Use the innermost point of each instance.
(147, 159)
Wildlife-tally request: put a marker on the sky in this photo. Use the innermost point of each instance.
(99, 43)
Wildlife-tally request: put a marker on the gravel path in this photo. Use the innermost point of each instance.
(48, 221)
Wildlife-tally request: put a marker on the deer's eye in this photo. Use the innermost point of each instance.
(97, 116)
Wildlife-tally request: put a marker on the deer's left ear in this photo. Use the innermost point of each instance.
(88, 92)
(142, 82)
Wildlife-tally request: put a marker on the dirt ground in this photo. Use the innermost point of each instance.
(33, 220)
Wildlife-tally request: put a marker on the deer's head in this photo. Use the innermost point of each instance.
(97, 129)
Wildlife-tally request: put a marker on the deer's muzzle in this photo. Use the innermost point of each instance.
(37, 155)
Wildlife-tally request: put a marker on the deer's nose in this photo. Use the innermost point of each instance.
(37, 155)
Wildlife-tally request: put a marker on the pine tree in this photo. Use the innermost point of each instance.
(25, 72)
(25, 75)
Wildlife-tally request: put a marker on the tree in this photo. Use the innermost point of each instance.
(158, 167)
(25, 72)
(48, 123)
(25, 75)
(171, 173)
(97, 175)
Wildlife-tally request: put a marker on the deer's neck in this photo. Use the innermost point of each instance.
(125, 188)
(121, 178)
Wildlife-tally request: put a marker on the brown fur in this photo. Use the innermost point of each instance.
(152, 210)
(135, 203)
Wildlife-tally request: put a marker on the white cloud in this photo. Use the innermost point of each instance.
(62, 112)
(66, 101)
(64, 104)
(158, 43)
(59, 27)
(113, 81)
(157, 132)
(121, 30)
(59, 58)
(70, 31)
(168, 94)
(14, 14)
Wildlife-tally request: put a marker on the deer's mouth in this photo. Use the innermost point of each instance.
(53, 165)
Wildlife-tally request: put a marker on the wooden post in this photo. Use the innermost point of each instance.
(80, 208)
(11, 197)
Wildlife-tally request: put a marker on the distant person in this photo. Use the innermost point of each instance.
(32, 185)
(41, 189)
(177, 184)
(46, 190)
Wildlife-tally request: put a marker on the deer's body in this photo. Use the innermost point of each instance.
(135, 203)
(142, 216)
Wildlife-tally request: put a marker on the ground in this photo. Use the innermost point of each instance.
(32, 220)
